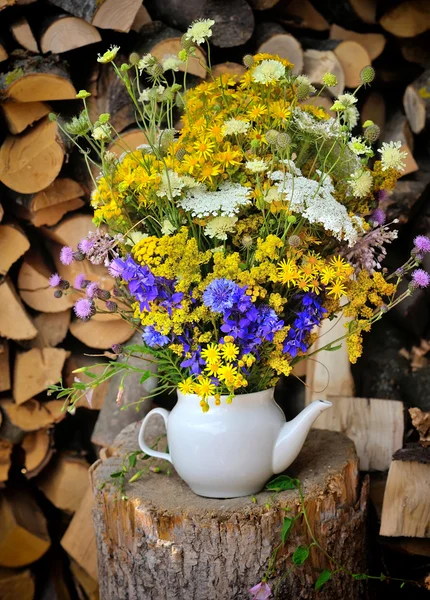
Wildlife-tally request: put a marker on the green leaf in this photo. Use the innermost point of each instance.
(283, 482)
(117, 474)
(333, 348)
(135, 348)
(358, 576)
(286, 528)
(300, 555)
(322, 579)
(132, 459)
(79, 386)
(253, 499)
(136, 476)
(145, 376)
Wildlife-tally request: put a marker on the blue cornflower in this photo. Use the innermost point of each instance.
(221, 295)
(154, 338)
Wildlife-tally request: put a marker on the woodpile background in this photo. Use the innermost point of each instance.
(48, 52)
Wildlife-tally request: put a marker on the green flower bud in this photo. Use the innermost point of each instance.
(180, 154)
(291, 219)
(134, 58)
(52, 117)
(248, 61)
(156, 70)
(104, 118)
(367, 75)
(186, 42)
(283, 140)
(124, 67)
(271, 136)
(82, 94)
(255, 144)
(183, 55)
(367, 123)
(329, 80)
(372, 133)
(303, 91)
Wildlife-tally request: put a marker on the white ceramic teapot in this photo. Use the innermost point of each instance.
(233, 449)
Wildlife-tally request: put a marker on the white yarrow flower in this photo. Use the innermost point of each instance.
(145, 96)
(268, 71)
(198, 31)
(256, 165)
(361, 183)
(392, 157)
(171, 185)
(226, 201)
(309, 124)
(102, 132)
(219, 227)
(235, 126)
(171, 62)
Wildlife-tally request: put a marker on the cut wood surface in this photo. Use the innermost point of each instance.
(65, 482)
(35, 370)
(38, 448)
(19, 115)
(142, 18)
(128, 141)
(59, 191)
(406, 508)
(23, 535)
(397, 129)
(351, 55)
(416, 102)
(15, 323)
(101, 334)
(262, 4)
(271, 38)
(30, 416)
(234, 69)
(85, 582)
(408, 19)
(13, 244)
(4, 366)
(22, 33)
(79, 540)
(374, 110)
(64, 33)
(300, 14)
(31, 162)
(373, 42)
(36, 79)
(352, 14)
(17, 584)
(3, 53)
(51, 329)
(172, 524)
(54, 214)
(108, 14)
(234, 20)
(5, 460)
(375, 426)
(319, 62)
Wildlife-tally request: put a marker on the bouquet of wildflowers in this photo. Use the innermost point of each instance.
(232, 233)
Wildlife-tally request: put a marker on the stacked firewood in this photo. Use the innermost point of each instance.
(48, 52)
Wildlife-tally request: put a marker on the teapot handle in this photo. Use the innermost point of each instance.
(143, 445)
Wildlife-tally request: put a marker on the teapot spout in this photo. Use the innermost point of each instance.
(293, 434)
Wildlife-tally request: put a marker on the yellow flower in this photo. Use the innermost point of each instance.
(211, 353)
(287, 272)
(203, 148)
(256, 111)
(208, 172)
(204, 387)
(229, 351)
(213, 368)
(336, 289)
(187, 386)
(228, 374)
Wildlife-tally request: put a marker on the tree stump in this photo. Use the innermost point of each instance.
(166, 542)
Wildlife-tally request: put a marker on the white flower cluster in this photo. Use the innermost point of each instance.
(256, 165)
(315, 202)
(225, 202)
(361, 183)
(219, 227)
(308, 124)
(198, 31)
(235, 126)
(392, 157)
(171, 185)
(268, 71)
(171, 62)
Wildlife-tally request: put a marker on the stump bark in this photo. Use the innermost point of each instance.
(166, 542)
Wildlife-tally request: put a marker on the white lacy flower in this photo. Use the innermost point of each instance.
(268, 71)
(171, 62)
(256, 165)
(315, 202)
(361, 183)
(392, 157)
(307, 123)
(235, 126)
(146, 61)
(167, 228)
(220, 226)
(102, 132)
(226, 202)
(171, 185)
(145, 96)
(198, 31)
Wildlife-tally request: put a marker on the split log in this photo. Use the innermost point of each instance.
(30, 416)
(63, 33)
(160, 40)
(142, 18)
(95, 398)
(108, 14)
(352, 56)
(128, 141)
(4, 366)
(34, 288)
(374, 110)
(319, 62)
(417, 50)
(112, 419)
(407, 19)
(262, 4)
(373, 42)
(236, 70)
(51, 329)
(406, 508)
(101, 335)
(79, 540)
(23, 535)
(5, 460)
(35, 370)
(65, 482)
(172, 524)
(16, 584)
(416, 102)
(3, 53)
(234, 20)
(82, 580)
(19, 116)
(351, 14)
(36, 79)
(31, 162)
(22, 33)
(6, 3)
(15, 323)
(375, 426)
(272, 38)
(38, 448)
(54, 214)
(397, 129)
(404, 198)
(13, 244)
(421, 422)
(300, 14)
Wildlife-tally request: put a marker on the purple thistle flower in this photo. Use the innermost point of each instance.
(79, 280)
(66, 255)
(112, 306)
(154, 338)
(420, 278)
(85, 245)
(116, 268)
(84, 308)
(261, 591)
(378, 217)
(55, 280)
(383, 195)
(117, 348)
(422, 244)
(92, 289)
